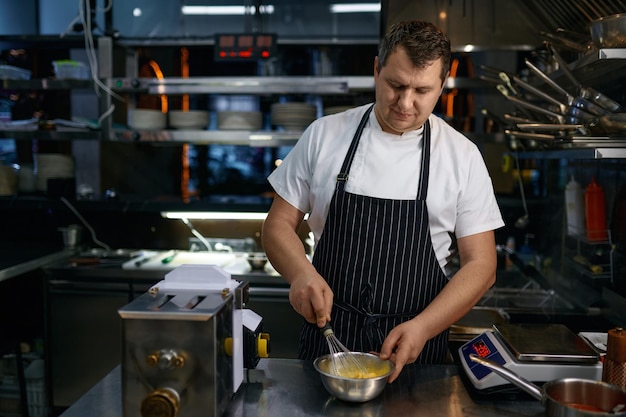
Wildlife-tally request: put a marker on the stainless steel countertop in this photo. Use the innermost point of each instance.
(111, 271)
(289, 387)
(16, 260)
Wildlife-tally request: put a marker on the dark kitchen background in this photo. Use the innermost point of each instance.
(129, 182)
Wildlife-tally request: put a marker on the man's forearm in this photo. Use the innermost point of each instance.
(458, 297)
(285, 251)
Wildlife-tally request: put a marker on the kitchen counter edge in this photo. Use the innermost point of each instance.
(287, 387)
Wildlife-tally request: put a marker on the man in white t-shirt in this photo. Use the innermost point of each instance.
(393, 194)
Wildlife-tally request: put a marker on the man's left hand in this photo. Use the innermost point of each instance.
(403, 345)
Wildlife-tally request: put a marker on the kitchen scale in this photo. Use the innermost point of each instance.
(536, 352)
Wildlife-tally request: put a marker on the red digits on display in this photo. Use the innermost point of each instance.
(481, 349)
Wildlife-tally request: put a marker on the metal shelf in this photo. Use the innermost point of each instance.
(577, 153)
(606, 270)
(218, 137)
(583, 266)
(223, 137)
(243, 85)
(58, 134)
(130, 42)
(45, 84)
(264, 85)
(600, 66)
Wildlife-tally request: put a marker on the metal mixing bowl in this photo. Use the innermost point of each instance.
(355, 389)
(257, 261)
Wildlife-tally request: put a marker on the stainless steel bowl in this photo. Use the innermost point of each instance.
(355, 389)
(257, 261)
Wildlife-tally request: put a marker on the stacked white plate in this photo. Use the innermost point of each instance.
(53, 165)
(239, 120)
(190, 119)
(293, 116)
(146, 119)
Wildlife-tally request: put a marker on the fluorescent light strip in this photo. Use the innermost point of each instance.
(217, 215)
(213, 215)
(225, 10)
(354, 7)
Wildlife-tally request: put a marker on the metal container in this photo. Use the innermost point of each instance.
(609, 31)
(257, 261)
(355, 389)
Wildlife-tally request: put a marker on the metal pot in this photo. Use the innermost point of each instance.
(568, 397)
(609, 31)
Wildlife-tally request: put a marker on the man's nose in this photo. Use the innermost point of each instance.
(405, 100)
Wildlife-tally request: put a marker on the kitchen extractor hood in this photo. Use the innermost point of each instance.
(502, 24)
(571, 16)
(470, 24)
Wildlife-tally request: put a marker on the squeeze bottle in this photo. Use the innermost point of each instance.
(575, 208)
(595, 212)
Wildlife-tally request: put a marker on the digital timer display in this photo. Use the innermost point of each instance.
(481, 349)
(244, 47)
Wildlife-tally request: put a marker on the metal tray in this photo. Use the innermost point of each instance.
(552, 343)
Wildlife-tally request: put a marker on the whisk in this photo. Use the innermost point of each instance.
(344, 362)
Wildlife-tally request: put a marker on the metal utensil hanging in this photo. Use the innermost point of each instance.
(563, 108)
(609, 124)
(555, 117)
(576, 102)
(587, 93)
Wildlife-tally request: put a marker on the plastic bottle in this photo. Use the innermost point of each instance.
(575, 208)
(595, 212)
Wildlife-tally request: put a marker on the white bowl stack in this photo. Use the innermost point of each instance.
(146, 119)
(293, 116)
(239, 120)
(53, 165)
(188, 119)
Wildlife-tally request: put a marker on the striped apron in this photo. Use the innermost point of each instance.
(377, 257)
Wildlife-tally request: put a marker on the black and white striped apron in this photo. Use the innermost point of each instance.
(378, 258)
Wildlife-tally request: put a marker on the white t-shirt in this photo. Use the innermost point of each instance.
(460, 198)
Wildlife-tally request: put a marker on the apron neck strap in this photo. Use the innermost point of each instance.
(342, 177)
(422, 190)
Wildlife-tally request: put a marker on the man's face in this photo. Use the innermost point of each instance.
(405, 95)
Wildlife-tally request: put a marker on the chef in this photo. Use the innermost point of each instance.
(394, 195)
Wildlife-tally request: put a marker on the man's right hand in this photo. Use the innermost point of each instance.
(312, 298)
